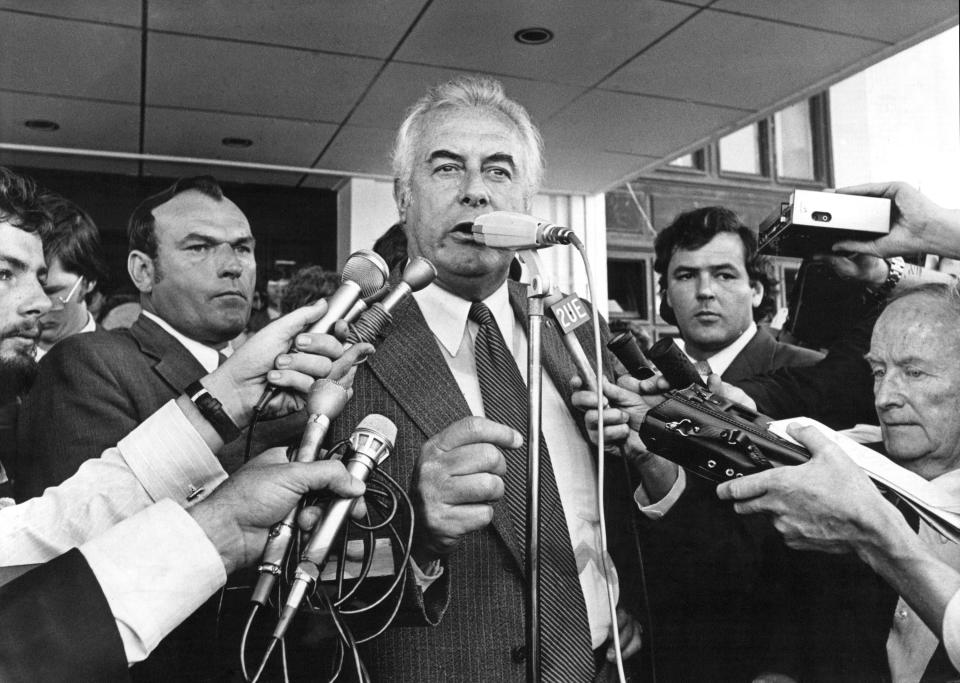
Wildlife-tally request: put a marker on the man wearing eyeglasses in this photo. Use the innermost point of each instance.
(75, 266)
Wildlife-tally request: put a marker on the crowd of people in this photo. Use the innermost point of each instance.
(135, 506)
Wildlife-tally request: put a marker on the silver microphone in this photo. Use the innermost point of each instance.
(371, 443)
(510, 230)
(364, 274)
(325, 401)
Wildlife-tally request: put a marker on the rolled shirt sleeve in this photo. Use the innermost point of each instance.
(658, 509)
(165, 457)
(155, 569)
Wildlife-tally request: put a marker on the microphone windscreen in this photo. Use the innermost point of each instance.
(368, 269)
(673, 364)
(380, 425)
(625, 347)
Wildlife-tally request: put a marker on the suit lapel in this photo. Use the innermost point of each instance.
(410, 366)
(171, 361)
(554, 355)
(753, 359)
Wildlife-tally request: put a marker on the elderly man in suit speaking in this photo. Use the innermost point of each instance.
(465, 150)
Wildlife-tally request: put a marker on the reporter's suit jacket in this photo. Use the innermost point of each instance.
(93, 389)
(469, 625)
(56, 625)
(716, 594)
(764, 354)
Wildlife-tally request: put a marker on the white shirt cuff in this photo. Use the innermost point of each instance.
(155, 569)
(171, 459)
(951, 630)
(662, 506)
(424, 581)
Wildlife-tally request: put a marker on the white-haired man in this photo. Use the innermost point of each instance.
(466, 149)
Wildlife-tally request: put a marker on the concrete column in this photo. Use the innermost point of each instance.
(365, 209)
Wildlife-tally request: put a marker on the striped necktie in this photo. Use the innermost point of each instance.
(564, 640)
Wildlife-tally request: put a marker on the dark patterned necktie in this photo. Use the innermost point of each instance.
(565, 645)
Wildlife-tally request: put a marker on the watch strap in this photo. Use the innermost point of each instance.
(213, 412)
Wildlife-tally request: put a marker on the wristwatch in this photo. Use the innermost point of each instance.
(895, 271)
(213, 412)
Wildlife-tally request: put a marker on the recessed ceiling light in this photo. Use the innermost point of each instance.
(533, 36)
(237, 142)
(42, 125)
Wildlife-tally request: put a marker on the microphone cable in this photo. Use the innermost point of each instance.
(389, 513)
(647, 634)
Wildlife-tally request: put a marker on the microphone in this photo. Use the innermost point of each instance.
(674, 364)
(509, 230)
(325, 401)
(371, 443)
(364, 275)
(625, 347)
(569, 314)
(418, 273)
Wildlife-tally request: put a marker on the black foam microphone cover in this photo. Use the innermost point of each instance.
(625, 347)
(673, 364)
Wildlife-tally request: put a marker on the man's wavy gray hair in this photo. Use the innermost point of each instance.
(477, 92)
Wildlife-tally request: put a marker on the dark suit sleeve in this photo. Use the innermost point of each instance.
(56, 625)
(837, 391)
(77, 407)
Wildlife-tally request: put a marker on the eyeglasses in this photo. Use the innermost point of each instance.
(64, 300)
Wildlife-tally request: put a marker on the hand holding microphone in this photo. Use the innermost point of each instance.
(243, 378)
(370, 444)
(364, 275)
(325, 402)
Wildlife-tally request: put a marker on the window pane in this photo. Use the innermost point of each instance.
(686, 161)
(627, 288)
(794, 142)
(740, 151)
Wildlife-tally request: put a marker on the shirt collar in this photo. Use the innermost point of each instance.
(446, 314)
(91, 324)
(208, 357)
(721, 360)
(949, 482)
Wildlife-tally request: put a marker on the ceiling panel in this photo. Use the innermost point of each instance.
(731, 60)
(878, 19)
(253, 79)
(356, 27)
(590, 38)
(295, 76)
(83, 124)
(106, 11)
(55, 56)
(589, 170)
(400, 84)
(634, 124)
(200, 134)
(360, 149)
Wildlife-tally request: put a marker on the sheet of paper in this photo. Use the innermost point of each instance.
(938, 507)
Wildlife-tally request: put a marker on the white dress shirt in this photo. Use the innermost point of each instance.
(157, 567)
(573, 463)
(207, 356)
(911, 644)
(721, 360)
(91, 326)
